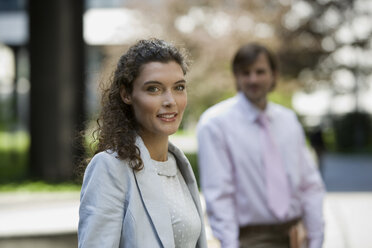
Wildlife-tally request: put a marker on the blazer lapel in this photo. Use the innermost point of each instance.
(186, 171)
(188, 175)
(149, 185)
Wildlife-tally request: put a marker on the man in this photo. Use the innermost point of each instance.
(257, 176)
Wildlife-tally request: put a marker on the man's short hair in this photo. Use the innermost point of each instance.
(247, 55)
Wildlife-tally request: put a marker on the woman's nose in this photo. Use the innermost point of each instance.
(168, 100)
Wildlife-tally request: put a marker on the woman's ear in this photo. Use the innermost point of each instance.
(125, 96)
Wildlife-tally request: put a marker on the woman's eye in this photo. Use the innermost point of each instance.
(153, 89)
(180, 87)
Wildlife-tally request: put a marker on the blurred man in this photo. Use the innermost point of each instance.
(257, 176)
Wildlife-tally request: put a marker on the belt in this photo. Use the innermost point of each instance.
(270, 228)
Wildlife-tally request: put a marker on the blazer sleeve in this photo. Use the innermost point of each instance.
(102, 202)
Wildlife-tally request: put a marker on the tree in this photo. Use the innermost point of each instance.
(211, 31)
(57, 86)
(337, 39)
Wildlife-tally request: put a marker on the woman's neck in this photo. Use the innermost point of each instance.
(157, 147)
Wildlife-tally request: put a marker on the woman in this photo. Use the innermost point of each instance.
(139, 189)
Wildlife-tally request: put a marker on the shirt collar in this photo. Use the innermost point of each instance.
(251, 111)
(166, 168)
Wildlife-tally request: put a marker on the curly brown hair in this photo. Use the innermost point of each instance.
(117, 126)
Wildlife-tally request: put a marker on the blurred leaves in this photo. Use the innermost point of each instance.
(211, 31)
(321, 45)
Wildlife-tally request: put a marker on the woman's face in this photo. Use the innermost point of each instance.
(158, 98)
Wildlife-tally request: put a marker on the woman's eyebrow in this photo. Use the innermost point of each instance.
(151, 82)
(157, 82)
(180, 81)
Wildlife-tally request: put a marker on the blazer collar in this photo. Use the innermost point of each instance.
(153, 197)
(189, 177)
(149, 185)
(187, 173)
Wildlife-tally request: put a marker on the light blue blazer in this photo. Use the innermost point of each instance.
(123, 208)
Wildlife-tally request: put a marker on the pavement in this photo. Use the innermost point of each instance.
(38, 220)
(348, 219)
(30, 214)
(51, 219)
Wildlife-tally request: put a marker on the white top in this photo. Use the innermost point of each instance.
(232, 175)
(185, 218)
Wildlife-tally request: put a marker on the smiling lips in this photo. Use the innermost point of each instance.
(168, 117)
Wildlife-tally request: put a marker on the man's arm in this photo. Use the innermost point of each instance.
(217, 183)
(312, 188)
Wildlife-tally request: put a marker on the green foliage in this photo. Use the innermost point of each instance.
(14, 141)
(39, 186)
(193, 158)
(282, 98)
(200, 100)
(353, 132)
(13, 155)
(329, 139)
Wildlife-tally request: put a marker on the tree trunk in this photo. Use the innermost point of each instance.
(57, 87)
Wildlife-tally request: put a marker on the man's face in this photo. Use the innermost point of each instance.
(256, 81)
